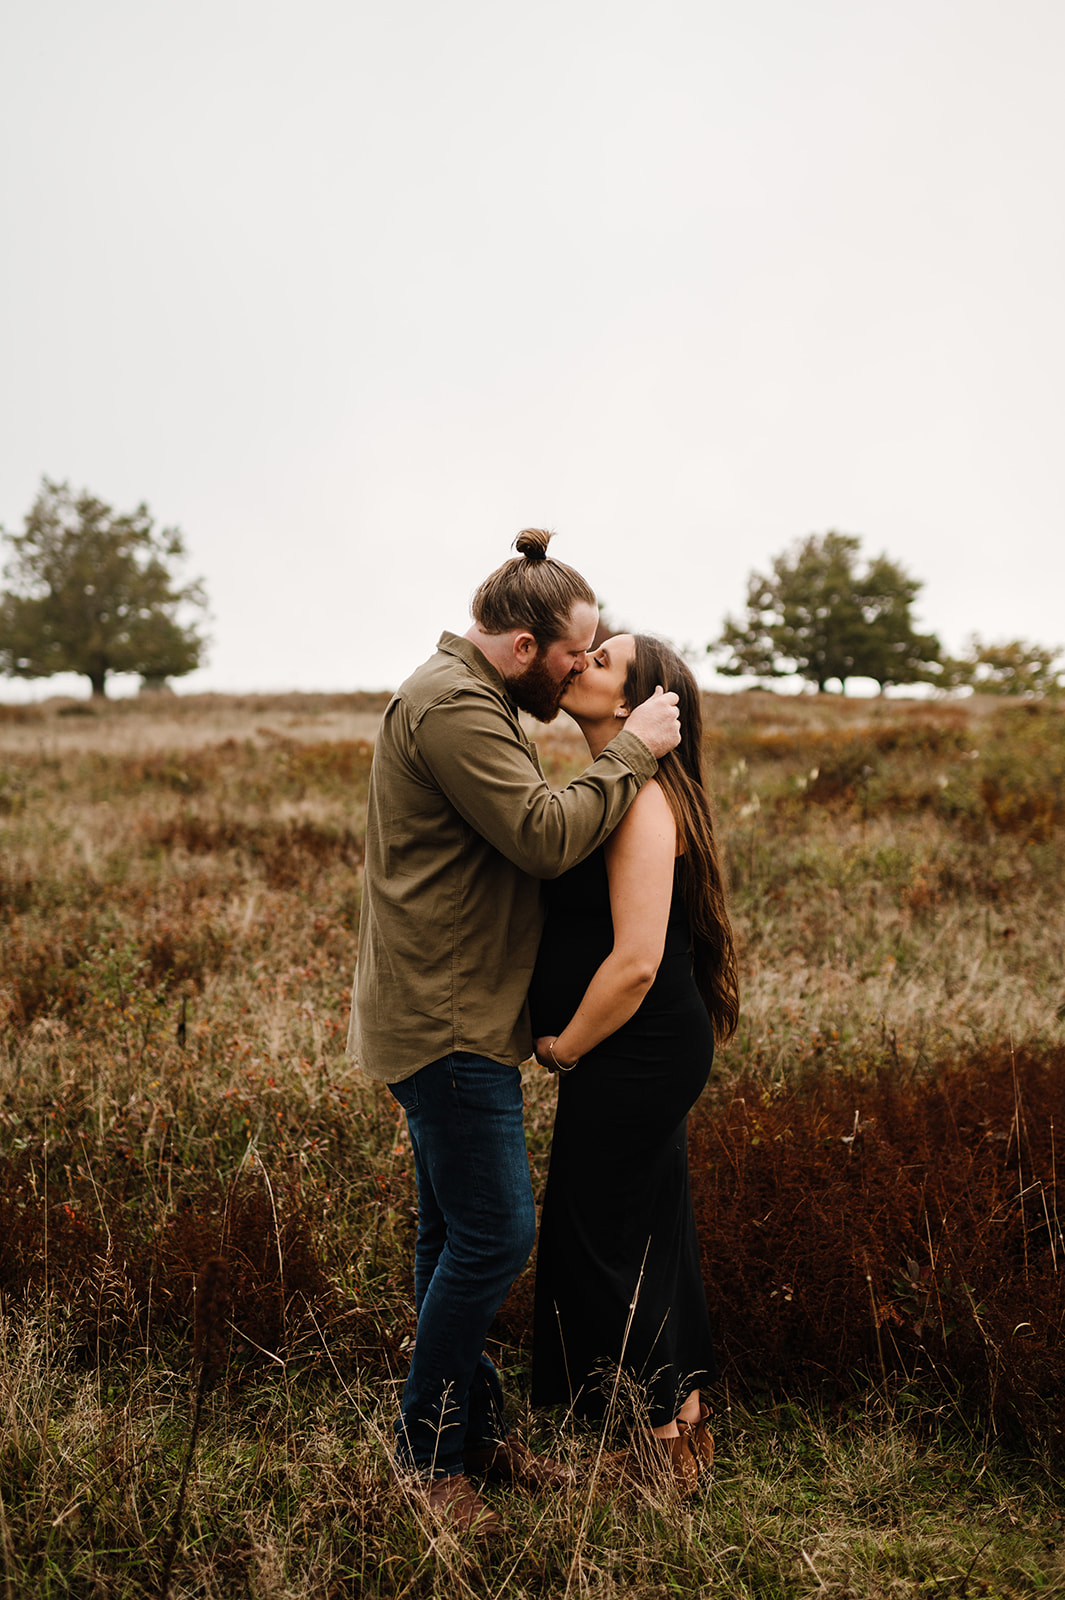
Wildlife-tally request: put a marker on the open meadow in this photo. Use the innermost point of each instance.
(878, 1170)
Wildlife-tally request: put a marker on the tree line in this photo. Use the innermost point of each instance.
(94, 591)
(823, 614)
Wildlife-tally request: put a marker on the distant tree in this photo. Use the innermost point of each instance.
(1012, 667)
(818, 615)
(92, 590)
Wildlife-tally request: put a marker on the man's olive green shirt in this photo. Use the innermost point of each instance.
(461, 826)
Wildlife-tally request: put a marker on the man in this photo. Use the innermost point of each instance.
(461, 827)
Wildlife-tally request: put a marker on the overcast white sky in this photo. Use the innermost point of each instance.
(353, 291)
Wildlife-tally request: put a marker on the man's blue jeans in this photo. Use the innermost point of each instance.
(476, 1227)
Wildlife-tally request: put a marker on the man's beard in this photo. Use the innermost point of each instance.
(537, 692)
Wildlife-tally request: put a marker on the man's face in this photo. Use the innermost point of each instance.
(540, 687)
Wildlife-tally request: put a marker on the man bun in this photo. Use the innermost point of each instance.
(532, 543)
(531, 591)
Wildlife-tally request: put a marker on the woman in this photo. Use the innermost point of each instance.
(635, 979)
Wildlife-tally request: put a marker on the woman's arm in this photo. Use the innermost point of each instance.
(639, 861)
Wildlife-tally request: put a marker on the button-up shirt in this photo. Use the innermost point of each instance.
(461, 827)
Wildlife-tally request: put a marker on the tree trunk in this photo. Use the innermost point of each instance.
(98, 679)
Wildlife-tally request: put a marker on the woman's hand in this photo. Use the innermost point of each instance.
(545, 1054)
(541, 1047)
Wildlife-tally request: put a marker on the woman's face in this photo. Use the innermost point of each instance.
(599, 692)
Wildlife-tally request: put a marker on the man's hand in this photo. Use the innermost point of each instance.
(657, 722)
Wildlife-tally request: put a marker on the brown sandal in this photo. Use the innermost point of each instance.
(702, 1440)
(654, 1462)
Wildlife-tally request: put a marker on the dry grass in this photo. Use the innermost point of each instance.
(156, 722)
(179, 890)
(896, 875)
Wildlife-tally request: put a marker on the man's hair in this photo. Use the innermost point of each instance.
(531, 592)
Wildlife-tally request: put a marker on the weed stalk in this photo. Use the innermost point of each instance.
(212, 1297)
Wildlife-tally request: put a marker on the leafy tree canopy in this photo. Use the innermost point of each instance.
(1012, 667)
(92, 590)
(821, 615)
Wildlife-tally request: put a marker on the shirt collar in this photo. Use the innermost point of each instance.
(453, 644)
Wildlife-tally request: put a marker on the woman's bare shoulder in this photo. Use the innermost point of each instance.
(651, 801)
(648, 815)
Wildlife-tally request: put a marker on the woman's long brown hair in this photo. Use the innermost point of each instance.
(682, 777)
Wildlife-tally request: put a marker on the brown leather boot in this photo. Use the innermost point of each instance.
(455, 1503)
(511, 1461)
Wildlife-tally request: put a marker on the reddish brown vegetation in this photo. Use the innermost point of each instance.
(285, 852)
(125, 1271)
(859, 1231)
(58, 973)
(853, 1229)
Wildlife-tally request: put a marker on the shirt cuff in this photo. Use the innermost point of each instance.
(634, 753)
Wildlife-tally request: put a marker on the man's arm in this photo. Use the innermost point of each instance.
(488, 774)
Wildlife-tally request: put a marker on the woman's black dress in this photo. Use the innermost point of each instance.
(617, 1215)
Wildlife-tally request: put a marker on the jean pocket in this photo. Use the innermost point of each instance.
(406, 1092)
